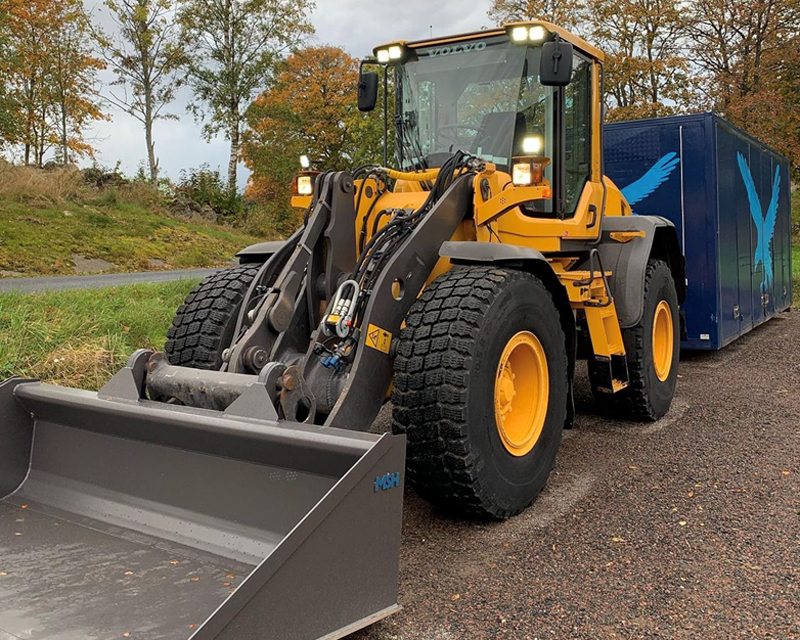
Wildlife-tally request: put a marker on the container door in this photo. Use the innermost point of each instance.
(734, 238)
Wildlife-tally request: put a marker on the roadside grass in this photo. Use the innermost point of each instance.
(80, 338)
(41, 238)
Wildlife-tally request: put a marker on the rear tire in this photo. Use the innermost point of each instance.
(447, 384)
(204, 324)
(650, 392)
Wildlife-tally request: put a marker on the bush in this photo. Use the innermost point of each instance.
(31, 184)
(102, 177)
(202, 192)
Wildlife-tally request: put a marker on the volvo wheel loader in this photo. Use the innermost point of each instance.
(231, 487)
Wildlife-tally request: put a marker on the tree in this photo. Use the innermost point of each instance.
(647, 73)
(565, 13)
(233, 46)
(748, 53)
(146, 55)
(9, 108)
(310, 110)
(72, 80)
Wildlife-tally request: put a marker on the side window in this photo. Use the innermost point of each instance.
(578, 125)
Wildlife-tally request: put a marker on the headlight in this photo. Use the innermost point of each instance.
(305, 162)
(521, 174)
(305, 186)
(526, 172)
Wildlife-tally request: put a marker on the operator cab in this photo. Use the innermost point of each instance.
(493, 94)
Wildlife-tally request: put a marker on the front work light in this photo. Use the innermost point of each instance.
(519, 34)
(305, 186)
(391, 53)
(532, 145)
(524, 33)
(305, 162)
(537, 33)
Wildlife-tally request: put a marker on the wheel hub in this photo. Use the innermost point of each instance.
(521, 393)
(663, 340)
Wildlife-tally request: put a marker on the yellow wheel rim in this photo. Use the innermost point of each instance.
(663, 340)
(521, 392)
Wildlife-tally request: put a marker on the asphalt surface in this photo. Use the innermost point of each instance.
(685, 528)
(99, 281)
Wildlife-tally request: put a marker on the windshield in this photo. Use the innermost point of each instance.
(480, 96)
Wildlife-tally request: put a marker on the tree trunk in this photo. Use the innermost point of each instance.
(151, 151)
(233, 161)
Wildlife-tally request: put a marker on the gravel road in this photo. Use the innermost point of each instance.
(58, 283)
(685, 528)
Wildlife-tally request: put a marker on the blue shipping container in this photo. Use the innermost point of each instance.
(729, 198)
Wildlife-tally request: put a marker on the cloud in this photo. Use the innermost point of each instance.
(356, 25)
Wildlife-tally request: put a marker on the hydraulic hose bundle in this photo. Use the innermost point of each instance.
(346, 312)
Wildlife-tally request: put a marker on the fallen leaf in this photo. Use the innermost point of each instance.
(617, 539)
(785, 472)
(3, 573)
(195, 579)
(193, 626)
(455, 597)
(24, 506)
(126, 329)
(17, 533)
(682, 523)
(226, 584)
(127, 634)
(691, 494)
(174, 562)
(230, 576)
(129, 573)
(632, 467)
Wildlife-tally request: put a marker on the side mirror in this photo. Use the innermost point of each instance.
(368, 91)
(555, 69)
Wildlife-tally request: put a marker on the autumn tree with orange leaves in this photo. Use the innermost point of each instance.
(311, 110)
(51, 75)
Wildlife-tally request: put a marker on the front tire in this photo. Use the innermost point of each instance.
(481, 345)
(204, 324)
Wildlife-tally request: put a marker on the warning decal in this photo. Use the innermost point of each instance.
(379, 339)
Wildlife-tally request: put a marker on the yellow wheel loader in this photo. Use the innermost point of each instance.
(231, 487)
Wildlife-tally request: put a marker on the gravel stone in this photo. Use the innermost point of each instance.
(680, 529)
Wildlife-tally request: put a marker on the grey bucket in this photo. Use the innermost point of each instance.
(121, 516)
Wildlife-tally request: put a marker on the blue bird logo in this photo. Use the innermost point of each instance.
(652, 180)
(764, 225)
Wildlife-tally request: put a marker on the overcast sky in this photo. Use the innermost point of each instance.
(356, 25)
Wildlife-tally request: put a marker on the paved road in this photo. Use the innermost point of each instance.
(99, 281)
(688, 528)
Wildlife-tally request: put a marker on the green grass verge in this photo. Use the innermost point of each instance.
(41, 240)
(81, 338)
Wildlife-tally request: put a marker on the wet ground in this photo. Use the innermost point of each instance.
(685, 528)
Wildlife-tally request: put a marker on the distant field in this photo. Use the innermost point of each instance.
(43, 239)
(81, 338)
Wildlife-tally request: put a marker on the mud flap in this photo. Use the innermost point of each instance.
(122, 518)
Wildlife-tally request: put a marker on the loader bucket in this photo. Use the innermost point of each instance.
(123, 518)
